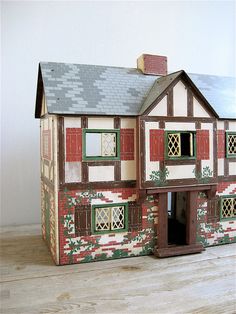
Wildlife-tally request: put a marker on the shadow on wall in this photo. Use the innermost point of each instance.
(20, 178)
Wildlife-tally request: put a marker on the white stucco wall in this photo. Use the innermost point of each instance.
(100, 123)
(181, 172)
(198, 110)
(180, 100)
(101, 173)
(160, 109)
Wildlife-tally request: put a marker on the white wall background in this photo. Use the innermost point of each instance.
(198, 36)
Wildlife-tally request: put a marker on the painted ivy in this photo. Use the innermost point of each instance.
(159, 177)
(203, 176)
(75, 244)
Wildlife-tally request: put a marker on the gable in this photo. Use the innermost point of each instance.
(181, 99)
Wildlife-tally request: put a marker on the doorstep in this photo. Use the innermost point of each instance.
(179, 250)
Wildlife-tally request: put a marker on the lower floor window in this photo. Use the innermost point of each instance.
(228, 207)
(109, 218)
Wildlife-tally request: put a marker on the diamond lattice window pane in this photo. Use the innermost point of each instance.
(102, 219)
(228, 207)
(108, 144)
(234, 207)
(231, 144)
(174, 149)
(117, 218)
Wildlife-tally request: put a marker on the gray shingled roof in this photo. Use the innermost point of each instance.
(220, 92)
(91, 89)
(105, 90)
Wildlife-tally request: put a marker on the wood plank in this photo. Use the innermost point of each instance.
(162, 238)
(32, 284)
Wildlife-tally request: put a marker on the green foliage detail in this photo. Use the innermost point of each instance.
(159, 177)
(87, 259)
(101, 257)
(119, 253)
(204, 176)
(204, 228)
(70, 202)
(147, 236)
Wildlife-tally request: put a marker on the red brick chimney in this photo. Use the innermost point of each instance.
(152, 64)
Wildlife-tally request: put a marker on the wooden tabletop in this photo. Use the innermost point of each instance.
(30, 283)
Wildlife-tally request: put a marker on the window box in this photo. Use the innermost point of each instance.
(101, 144)
(180, 145)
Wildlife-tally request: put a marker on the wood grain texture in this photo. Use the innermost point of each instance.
(30, 283)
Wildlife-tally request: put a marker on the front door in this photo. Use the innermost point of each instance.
(177, 224)
(177, 211)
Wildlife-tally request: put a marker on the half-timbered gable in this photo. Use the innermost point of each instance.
(178, 128)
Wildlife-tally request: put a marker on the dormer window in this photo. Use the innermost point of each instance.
(180, 145)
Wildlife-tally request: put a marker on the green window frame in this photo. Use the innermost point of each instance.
(173, 148)
(102, 157)
(109, 218)
(230, 144)
(228, 207)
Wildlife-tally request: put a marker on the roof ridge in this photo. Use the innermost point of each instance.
(94, 65)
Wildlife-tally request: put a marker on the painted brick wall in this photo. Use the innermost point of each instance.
(106, 246)
(74, 249)
(218, 232)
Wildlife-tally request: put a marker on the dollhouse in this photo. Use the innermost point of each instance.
(135, 161)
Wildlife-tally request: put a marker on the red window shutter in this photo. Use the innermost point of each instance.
(156, 145)
(83, 220)
(127, 144)
(203, 144)
(134, 216)
(221, 144)
(73, 144)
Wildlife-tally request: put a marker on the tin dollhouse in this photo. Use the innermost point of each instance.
(135, 161)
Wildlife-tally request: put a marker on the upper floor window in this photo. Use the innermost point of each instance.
(228, 207)
(101, 144)
(180, 144)
(230, 144)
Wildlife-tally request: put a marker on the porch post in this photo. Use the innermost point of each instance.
(191, 219)
(162, 229)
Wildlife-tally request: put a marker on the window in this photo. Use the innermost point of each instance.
(228, 207)
(110, 218)
(231, 144)
(180, 145)
(46, 144)
(101, 144)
